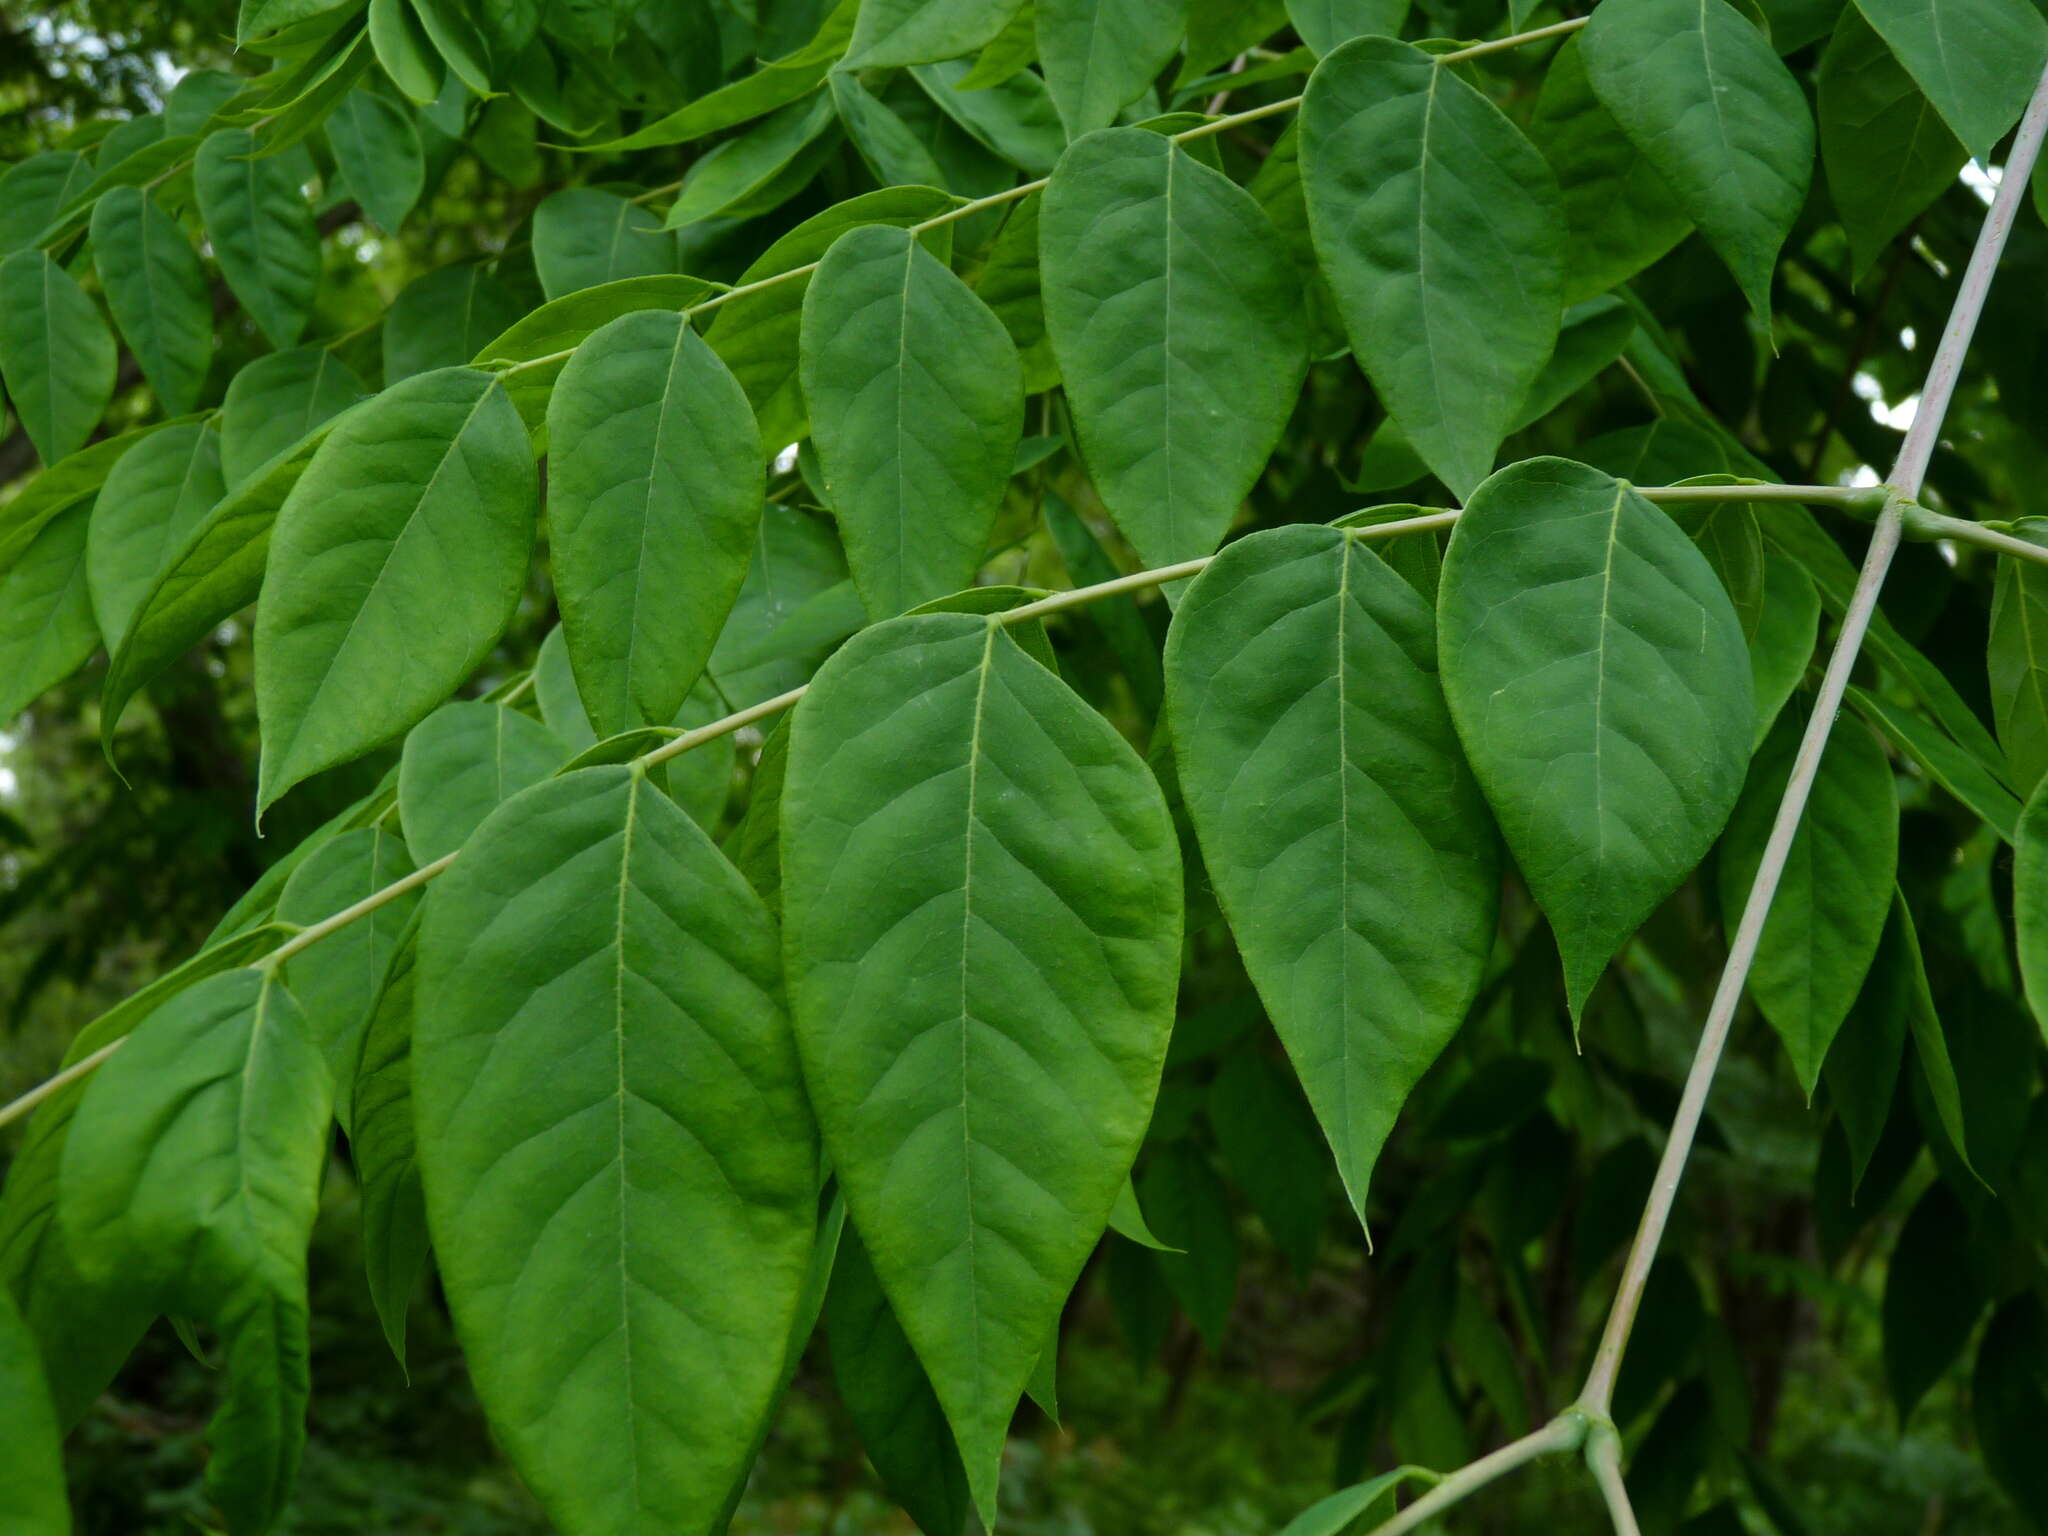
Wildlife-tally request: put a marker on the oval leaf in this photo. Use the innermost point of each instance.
(1100, 55)
(397, 560)
(1598, 678)
(153, 499)
(261, 230)
(276, 400)
(916, 401)
(1176, 316)
(1977, 60)
(983, 934)
(157, 291)
(46, 623)
(56, 353)
(1347, 839)
(655, 483)
(461, 763)
(1442, 232)
(610, 1120)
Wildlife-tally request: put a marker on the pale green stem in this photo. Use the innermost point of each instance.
(13, 1111)
(1904, 483)
(1555, 29)
(1566, 1432)
(1603, 1457)
(313, 933)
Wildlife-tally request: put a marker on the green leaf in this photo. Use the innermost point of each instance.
(583, 237)
(2008, 1396)
(154, 497)
(1698, 90)
(1267, 1135)
(1347, 840)
(735, 177)
(1015, 118)
(32, 1496)
(461, 763)
(895, 153)
(218, 570)
(64, 485)
(1620, 214)
(1442, 233)
(1334, 1515)
(983, 922)
(2018, 660)
(757, 335)
(610, 1119)
(1954, 769)
(1782, 647)
(1325, 24)
(443, 319)
(1187, 1205)
(775, 84)
(56, 353)
(1176, 317)
(33, 192)
(191, 1176)
(276, 400)
(157, 291)
(378, 151)
(2030, 901)
(654, 495)
(1599, 681)
(1935, 1290)
(46, 624)
(1977, 60)
(381, 1144)
(916, 401)
(890, 1399)
(1824, 926)
(795, 606)
(1100, 55)
(336, 981)
(398, 558)
(1887, 153)
(921, 31)
(1862, 1066)
(261, 230)
(404, 50)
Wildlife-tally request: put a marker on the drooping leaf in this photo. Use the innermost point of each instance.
(1862, 1066)
(381, 1144)
(1782, 647)
(1099, 55)
(1977, 60)
(619, 1165)
(336, 981)
(1935, 1290)
(1016, 119)
(1887, 152)
(1176, 318)
(157, 291)
(583, 237)
(1347, 840)
(461, 763)
(890, 1399)
(982, 1029)
(892, 150)
(378, 150)
(920, 31)
(1268, 1137)
(404, 49)
(757, 335)
(1699, 91)
(1942, 760)
(398, 558)
(2018, 657)
(1599, 681)
(746, 174)
(32, 1496)
(153, 499)
(33, 191)
(203, 1206)
(46, 623)
(1327, 24)
(215, 572)
(276, 400)
(1836, 888)
(444, 319)
(1620, 214)
(1442, 232)
(916, 402)
(1187, 1204)
(654, 496)
(261, 230)
(2030, 902)
(56, 353)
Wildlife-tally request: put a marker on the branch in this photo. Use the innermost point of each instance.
(1906, 477)
(1566, 1432)
(1603, 1456)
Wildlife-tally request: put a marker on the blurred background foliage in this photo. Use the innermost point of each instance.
(1221, 1390)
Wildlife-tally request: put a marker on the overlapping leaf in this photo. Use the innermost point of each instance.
(157, 291)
